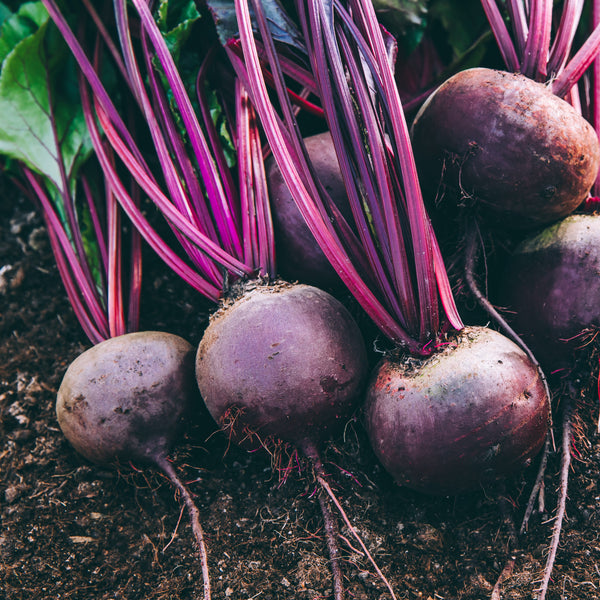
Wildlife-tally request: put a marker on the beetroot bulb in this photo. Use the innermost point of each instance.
(513, 145)
(501, 152)
(504, 145)
(299, 256)
(473, 411)
(126, 398)
(550, 284)
(282, 362)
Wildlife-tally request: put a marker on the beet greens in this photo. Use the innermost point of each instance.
(531, 47)
(394, 306)
(47, 147)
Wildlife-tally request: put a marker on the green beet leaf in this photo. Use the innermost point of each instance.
(42, 121)
(175, 19)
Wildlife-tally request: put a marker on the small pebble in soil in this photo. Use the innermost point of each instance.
(11, 494)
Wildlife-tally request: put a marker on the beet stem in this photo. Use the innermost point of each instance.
(565, 463)
(311, 452)
(165, 466)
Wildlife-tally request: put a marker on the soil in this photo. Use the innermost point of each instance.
(72, 530)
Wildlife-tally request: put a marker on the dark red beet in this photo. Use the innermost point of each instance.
(507, 144)
(124, 398)
(284, 362)
(473, 412)
(299, 257)
(552, 284)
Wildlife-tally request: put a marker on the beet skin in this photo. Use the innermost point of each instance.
(473, 412)
(551, 285)
(508, 145)
(124, 398)
(285, 362)
(299, 257)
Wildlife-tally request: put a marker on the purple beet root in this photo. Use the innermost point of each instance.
(469, 414)
(298, 255)
(552, 285)
(285, 363)
(124, 398)
(507, 144)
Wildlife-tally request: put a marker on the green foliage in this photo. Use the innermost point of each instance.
(176, 19)
(17, 26)
(218, 117)
(462, 24)
(40, 125)
(404, 19)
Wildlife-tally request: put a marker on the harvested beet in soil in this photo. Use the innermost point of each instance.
(505, 144)
(461, 418)
(125, 398)
(288, 361)
(551, 287)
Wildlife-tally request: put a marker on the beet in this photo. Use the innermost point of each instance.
(283, 366)
(283, 362)
(125, 398)
(551, 284)
(299, 256)
(508, 145)
(467, 415)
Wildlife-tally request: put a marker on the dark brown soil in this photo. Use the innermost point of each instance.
(71, 530)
